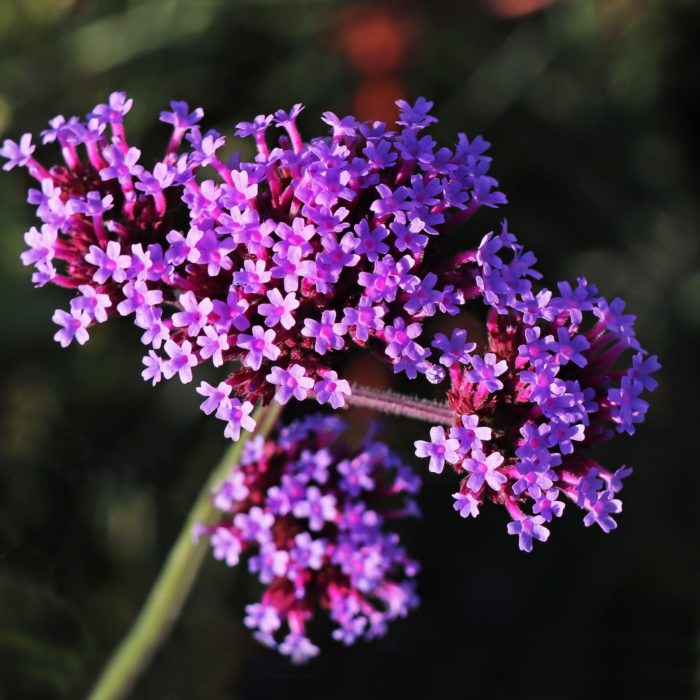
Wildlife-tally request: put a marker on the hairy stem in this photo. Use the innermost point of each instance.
(169, 593)
(400, 405)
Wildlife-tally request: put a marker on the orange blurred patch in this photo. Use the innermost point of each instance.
(515, 8)
(375, 97)
(375, 40)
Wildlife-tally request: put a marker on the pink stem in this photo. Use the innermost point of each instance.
(70, 155)
(99, 227)
(175, 140)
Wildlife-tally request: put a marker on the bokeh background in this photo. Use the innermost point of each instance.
(593, 110)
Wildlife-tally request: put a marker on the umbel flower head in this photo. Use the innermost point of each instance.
(308, 249)
(561, 372)
(310, 516)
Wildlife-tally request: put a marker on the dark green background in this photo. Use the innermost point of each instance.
(592, 107)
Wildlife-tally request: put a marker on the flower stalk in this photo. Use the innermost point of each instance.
(394, 404)
(170, 591)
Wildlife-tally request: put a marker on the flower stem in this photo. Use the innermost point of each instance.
(170, 591)
(395, 404)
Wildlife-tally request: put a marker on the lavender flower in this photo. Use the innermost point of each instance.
(308, 514)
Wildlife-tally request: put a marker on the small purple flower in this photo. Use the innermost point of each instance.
(155, 182)
(535, 306)
(327, 333)
(255, 128)
(615, 480)
(289, 267)
(109, 262)
(484, 469)
(527, 529)
(535, 350)
(213, 345)
(400, 339)
(262, 617)
(259, 345)
(601, 512)
(485, 370)
(195, 313)
(94, 204)
(330, 389)
(627, 408)
(371, 242)
(280, 309)
(573, 302)
(215, 396)
(231, 491)
(440, 449)
(455, 348)
(92, 303)
(74, 327)
(548, 506)
(113, 112)
(236, 413)
(562, 434)
(642, 368)
(291, 382)
(41, 245)
(283, 118)
(614, 320)
(466, 504)
(318, 508)
(253, 276)
(569, 348)
(231, 313)
(417, 115)
(226, 546)
(151, 320)
(471, 435)
(181, 362)
(308, 553)
(532, 481)
(180, 116)
(255, 525)
(137, 295)
(298, 648)
(364, 318)
(17, 153)
(121, 166)
(155, 366)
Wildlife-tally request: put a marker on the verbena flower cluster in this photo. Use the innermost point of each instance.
(561, 372)
(272, 266)
(310, 515)
(306, 250)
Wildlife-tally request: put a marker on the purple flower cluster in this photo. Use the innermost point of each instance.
(309, 514)
(561, 372)
(271, 266)
(309, 249)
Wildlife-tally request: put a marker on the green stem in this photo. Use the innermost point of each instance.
(168, 595)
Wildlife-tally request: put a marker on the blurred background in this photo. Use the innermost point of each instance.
(593, 109)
